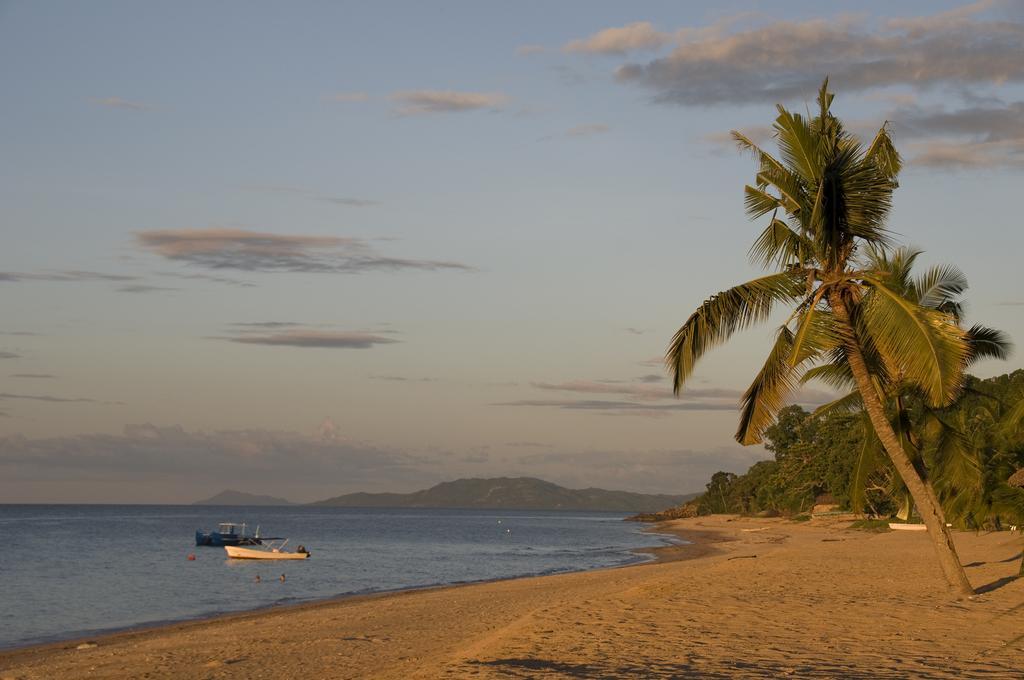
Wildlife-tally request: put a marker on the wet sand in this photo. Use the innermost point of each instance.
(755, 598)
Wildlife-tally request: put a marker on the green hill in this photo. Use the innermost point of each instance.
(510, 493)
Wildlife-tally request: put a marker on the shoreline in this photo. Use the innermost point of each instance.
(812, 598)
(670, 552)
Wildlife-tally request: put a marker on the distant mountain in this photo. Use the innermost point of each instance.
(231, 497)
(510, 493)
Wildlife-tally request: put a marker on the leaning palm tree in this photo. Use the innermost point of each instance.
(828, 198)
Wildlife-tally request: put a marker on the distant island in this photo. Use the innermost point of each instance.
(510, 493)
(232, 497)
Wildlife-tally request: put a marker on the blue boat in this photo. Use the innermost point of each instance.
(228, 533)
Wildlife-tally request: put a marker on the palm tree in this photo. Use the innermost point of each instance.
(955, 444)
(828, 198)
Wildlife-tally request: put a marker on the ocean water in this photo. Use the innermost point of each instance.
(72, 570)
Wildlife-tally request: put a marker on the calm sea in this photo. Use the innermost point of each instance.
(72, 570)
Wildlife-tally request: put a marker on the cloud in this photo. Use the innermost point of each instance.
(32, 375)
(9, 355)
(644, 397)
(54, 400)
(634, 331)
(639, 35)
(206, 277)
(347, 97)
(587, 130)
(401, 378)
(622, 406)
(782, 60)
(251, 457)
(71, 276)
(119, 103)
(528, 50)
(1010, 303)
(315, 339)
(640, 391)
(264, 252)
(666, 471)
(142, 288)
(266, 324)
(427, 102)
(315, 195)
(989, 136)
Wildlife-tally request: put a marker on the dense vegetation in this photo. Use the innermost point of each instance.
(968, 450)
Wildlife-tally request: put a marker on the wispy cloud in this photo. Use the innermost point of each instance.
(648, 396)
(315, 195)
(989, 136)
(9, 355)
(401, 378)
(143, 453)
(639, 35)
(71, 276)
(313, 339)
(207, 277)
(621, 406)
(54, 400)
(119, 103)
(781, 60)
(265, 252)
(266, 324)
(40, 376)
(143, 288)
(427, 102)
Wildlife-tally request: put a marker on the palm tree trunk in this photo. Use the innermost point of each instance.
(920, 490)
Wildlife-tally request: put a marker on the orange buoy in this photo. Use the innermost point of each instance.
(191, 557)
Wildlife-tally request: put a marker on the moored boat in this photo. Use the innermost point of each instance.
(266, 553)
(229, 533)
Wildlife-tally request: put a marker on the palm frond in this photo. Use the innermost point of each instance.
(798, 145)
(849, 403)
(869, 457)
(987, 343)
(758, 202)
(723, 314)
(939, 285)
(815, 334)
(766, 395)
(923, 345)
(836, 374)
(883, 153)
(779, 245)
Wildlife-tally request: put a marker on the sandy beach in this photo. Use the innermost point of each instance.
(749, 598)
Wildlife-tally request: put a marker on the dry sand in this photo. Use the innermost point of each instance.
(760, 598)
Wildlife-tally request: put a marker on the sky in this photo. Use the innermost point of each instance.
(314, 248)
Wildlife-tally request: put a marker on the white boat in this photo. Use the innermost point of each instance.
(269, 552)
(900, 526)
